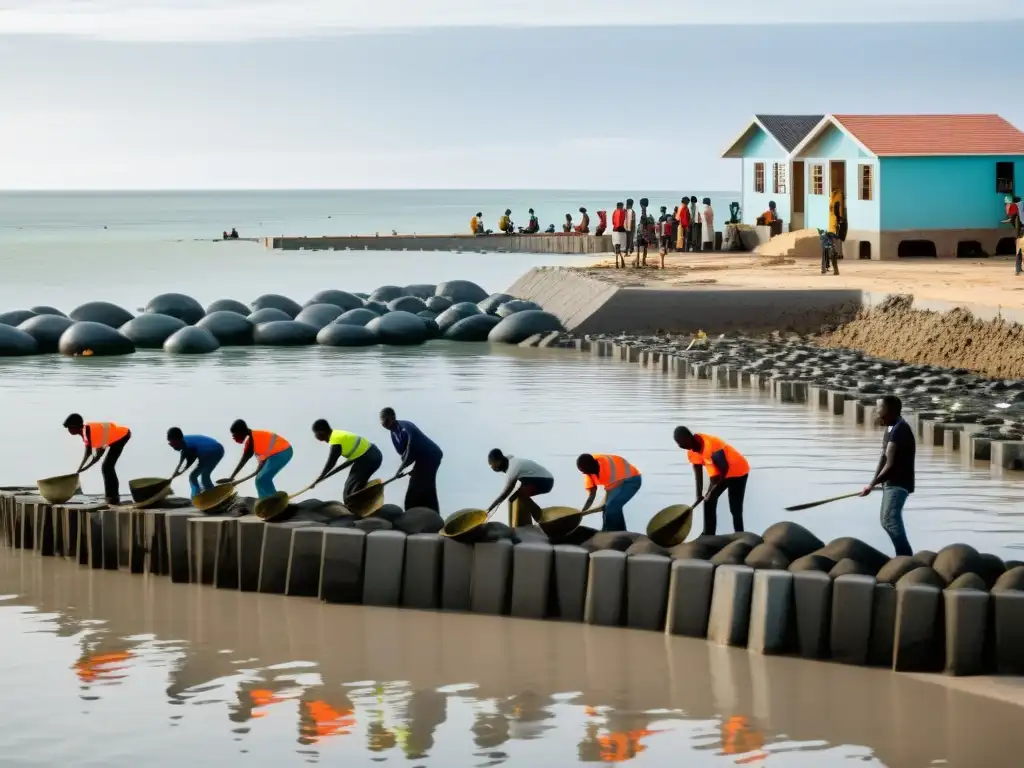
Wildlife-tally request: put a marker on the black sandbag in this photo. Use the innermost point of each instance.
(734, 553)
(529, 534)
(410, 304)
(1012, 580)
(812, 562)
(748, 536)
(178, 305)
(522, 325)
(694, 550)
(276, 301)
(377, 307)
(284, 333)
(849, 567)
(87, 338)
(360, 316)
(426, 314)
(399, 328)
(419, 520)
(990, 569)
(473, 328)
(489, 306)
(644, 546)
(151, 330)
(925, 557)
(1011, 564)
(430, 324)
(46, 309)
(386, 293)
(318, 315)
(16, 317)
(420, 290)
(371, 524)
(341, 299)
(767, 557)
(922, 575)
(955, 560)
(389, 512)
(229, 328)
(46, 330)
(339, 335)
(793, 539)
(191, 340)
(102, 312)
(847, 546)
(493, 531)
(719, 541)
(617, 540)
(228, 305)
(268, 315)
(516, 305)
(578, 537)
(969, 581)
(896, 569)
(438, 304)
(454, 314)
(461, 290)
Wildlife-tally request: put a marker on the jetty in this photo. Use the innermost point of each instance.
(561, 243)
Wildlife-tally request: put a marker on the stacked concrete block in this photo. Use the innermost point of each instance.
(812, 613)
(572, 567)
(1008, 454)
(850, 630)
(883, 626)
(1008, 629)
(647, 582)
(341, 565)
(176, 524)
(917, 642)
(836, 402)
(491, 581)
(456, 575)
(606, 584)
(729, 621)
(382, 568)
(689, 597)
(532, 566)
(249, 540)
(421, 585)
(304, 559)
(966, 618)
(277, 543)
(771, 612)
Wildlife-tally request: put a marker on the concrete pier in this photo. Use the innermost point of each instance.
(540, 243)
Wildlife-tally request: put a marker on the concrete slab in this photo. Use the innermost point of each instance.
(771, 612)
(1007, 454)
(850, 632)
(532, 565)
(817, 397)
(304, 560)
(836, 402)
(382, 568)
(883, 626)
(966, 616)
(853, 412)
(572, 566)
(1008, 625)
(225, 567)
(647, 578)
(110, 533)
(729, 621)
(277, 543)
(491, 582)
(203, 538)
(124, 535)
(456, 575)
(981, 448)
(606, 582)
(932, 433)
(178, 562)
(917, 644)
(250, 550)
(341, 566)
(812, 613)
(421, 581)
(689, 597)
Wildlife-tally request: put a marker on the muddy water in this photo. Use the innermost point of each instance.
(116, 670)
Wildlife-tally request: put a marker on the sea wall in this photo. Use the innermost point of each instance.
(540, 243)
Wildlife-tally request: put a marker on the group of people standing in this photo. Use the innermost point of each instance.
(687, 228)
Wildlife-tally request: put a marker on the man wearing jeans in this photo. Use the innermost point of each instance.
(620, 480)
(895, 472)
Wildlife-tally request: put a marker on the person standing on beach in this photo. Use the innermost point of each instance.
(664, 233)
(683, 213)
(205, 452)
(1013, 218)
(727, 471)
(708, 225)
(645, 231)
(630, 228)
(422, 453)
(272, 454)
(895, 472)
(362, 458)
(694, 225)
(104, 440)
(619, 241)
(533, 479)
(620, 480)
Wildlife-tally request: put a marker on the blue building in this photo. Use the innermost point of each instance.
(911, 185)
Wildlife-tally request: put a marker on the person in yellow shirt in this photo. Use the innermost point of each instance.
(505, 223)
(362, 458)
(476, 224)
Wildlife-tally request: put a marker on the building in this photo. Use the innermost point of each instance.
(913, 185)
(764, 149)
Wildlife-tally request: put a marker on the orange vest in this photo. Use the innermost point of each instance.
(266, 444)
(614, 470)
(738, 466)
(102, 433)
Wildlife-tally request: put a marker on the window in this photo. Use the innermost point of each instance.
(865, 175)
(779, 178)
(1004, 178)
(759, 177)
(817, 180)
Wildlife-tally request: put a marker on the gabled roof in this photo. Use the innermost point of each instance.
(924, 135)
(786, 130)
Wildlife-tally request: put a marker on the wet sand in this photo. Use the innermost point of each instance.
(137, 669)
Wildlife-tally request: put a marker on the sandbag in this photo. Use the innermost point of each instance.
(792, 539)
(360, 316)
(492, 530)
(386, 293)
(371, 524)
(748, 536)
(398, 328)
(489, 306)
(577, 537)
(318, 315)
(516, 305)
(849, 567)
(472, 328)
(767, 557)
(855, 549)
(419, 520)
(522, 325)
(151, 330)
(420, 290)
(896, 569)
(16, 317)
(1012, 580)
(228, 305)
(339, 335)
(812, 562)
(922, 575)
(191, 340)
(276, 301)
(644, 546)
(377, 307)
(178, 305)
(969, 581)
(284, 333)
(14, 342)
(88, 338)
(438, 304)
(990, 569)
(734, 553)
(46, 330)
(102, 312)
(389, 512)
(617, 540)
(410, 304)
(925, 557)
(268, 315)
(955, 560)
(694, 550)
(531, 534)
(341, 299)
(454, 314)
(461, 290)
(227, 327)
(45, 309)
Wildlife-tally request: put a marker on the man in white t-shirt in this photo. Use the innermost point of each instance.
(533, 479)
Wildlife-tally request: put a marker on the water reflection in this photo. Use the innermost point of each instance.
(272, 680)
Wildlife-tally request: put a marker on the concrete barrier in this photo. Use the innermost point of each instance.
(382, 568)
(1008, 625)
(304, 558)
(277, 545)
(691, 584)
(812, 612)
(966, 616)
(532, 564)
(490, 586)
(421, 585)
(341, 566)
(916, 646)
(729, 620)
(540, 243)
(572, 567)
(606, 582)
(883, 626)
(647, 578)
(456, 574)
(850, 631)
(771, 612)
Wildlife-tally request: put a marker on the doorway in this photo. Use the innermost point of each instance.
(798, 197)
(837, 175)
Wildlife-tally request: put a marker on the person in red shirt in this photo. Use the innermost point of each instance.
(1013, 219)
(683, 214)
(619, 234)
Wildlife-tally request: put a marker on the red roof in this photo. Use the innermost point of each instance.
(906, 135)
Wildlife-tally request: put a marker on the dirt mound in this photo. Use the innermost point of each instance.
(955, 339)
(802, 244)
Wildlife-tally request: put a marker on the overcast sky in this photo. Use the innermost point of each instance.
(155, 94)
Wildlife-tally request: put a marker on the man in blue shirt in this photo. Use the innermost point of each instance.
(422, 453)
(203, 451)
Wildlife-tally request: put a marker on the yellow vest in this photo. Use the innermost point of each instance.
(352, 446)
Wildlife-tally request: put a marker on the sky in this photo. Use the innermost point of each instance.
(565, 94)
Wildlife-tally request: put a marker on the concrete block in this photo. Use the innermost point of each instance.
(689, 597)
(1007, 454)
(871, 416)
(490, 585)
(341, 565)
(853, 412)
(980, 449)
(277, 544)
(250, 549)
(720, 375)
(123, 515)
(917, 644)
(734, 377)
(606, 583)
(729, 621)
(572, 566)
(647, 578)
(178, 563)
(771, 612)
(850, 631)
(421, 580)
(932, 433)
(966, 615)
(382, 568)
(883, 626)
(203, 539)
(632, 354)
(456, 575)
(532, 564)
(136, 542)
(68, 518)
(745, 380)
(812, 613)
(110, 531)
(225, 566)
(836, 402)
(817, 396)
(1008, 626)
(304, 559)
(45, 529)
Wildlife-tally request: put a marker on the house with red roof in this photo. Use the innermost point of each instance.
(910, 185)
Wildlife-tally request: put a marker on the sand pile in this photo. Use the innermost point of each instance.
(953, 339)
(802, 244)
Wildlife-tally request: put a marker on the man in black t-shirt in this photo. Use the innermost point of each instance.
(895, 472)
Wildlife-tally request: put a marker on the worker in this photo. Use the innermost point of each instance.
(620, 480)
(895, 472)
(205, 452)
(422, 453)
(533, 480)
(505, 225)
(727, 471)
(104, 440)
(271, 450)
(476, 224)
(360, 454)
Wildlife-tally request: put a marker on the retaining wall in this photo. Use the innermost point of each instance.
(540, 243)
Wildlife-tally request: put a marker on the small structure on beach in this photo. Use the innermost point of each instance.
(911, 185)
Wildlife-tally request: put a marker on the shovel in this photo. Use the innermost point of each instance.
(671, 525)
(367, 500)
(812, 504)
(271, 507)
(559, 522)
(206, 500)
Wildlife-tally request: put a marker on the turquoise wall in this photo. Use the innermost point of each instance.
(944, 192)
(834, 144)
(762, 148)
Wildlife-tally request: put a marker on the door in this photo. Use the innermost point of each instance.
(837, 174)
(797, 214)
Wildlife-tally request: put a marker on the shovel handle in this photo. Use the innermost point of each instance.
(304, 490)
(247, 477)
(392, 479)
